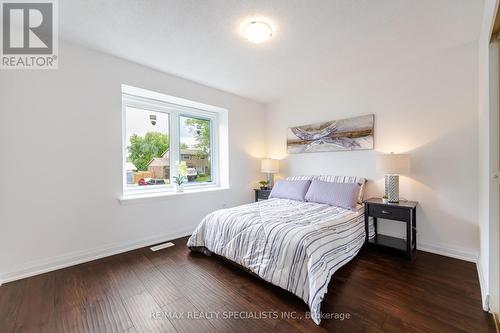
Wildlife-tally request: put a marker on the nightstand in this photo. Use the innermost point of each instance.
(261, 194)
(403, 211)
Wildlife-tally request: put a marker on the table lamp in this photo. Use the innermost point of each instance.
(393, 165)
(270, 167)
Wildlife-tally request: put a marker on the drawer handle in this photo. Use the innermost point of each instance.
(386, 212)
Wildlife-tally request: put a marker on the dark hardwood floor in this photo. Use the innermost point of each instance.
(379, 292)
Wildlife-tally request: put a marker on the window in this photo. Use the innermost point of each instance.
(195, 147)
(162, 131)
(147, 147)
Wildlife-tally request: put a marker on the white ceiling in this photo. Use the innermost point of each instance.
(317, 40)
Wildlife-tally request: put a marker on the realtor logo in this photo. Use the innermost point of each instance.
(29, 34)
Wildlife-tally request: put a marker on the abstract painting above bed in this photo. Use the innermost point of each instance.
(338, 135)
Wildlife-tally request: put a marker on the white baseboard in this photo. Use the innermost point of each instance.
(484, 293)
(456, 253)
(75, 258)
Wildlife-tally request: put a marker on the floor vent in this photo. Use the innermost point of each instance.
(161, 246)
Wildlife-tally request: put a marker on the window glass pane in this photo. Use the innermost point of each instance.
(147, 140)
(195, 148)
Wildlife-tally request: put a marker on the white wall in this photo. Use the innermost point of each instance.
(426, 107)
(60, 145)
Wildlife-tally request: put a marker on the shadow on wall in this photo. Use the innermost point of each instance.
(442, 179)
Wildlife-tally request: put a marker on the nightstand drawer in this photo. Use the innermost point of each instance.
(261, 194)
(264, 194)
(391, 213)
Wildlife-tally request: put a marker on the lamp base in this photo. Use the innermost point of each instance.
(270, 179)
(392, 188)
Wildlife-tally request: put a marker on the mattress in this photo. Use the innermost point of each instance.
(297, 246)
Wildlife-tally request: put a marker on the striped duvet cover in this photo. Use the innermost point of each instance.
(294, 245)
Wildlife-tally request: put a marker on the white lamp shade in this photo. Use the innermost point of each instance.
(393, 163)
(269, 166)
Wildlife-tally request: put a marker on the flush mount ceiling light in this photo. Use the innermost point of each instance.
(257, 31)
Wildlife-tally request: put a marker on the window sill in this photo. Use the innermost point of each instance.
(127, 199)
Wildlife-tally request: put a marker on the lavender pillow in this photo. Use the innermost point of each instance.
(343, 195)
(290, 189)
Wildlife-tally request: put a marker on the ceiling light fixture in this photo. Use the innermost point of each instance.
(257, 31)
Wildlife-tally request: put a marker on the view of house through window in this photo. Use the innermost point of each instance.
(147, 147)
(195, 148)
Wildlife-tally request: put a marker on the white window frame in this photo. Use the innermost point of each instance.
(175, 108)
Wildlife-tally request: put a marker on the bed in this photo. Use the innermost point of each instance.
(295, 245)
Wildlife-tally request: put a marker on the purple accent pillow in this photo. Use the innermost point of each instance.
(343, 195)
(290, 189)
